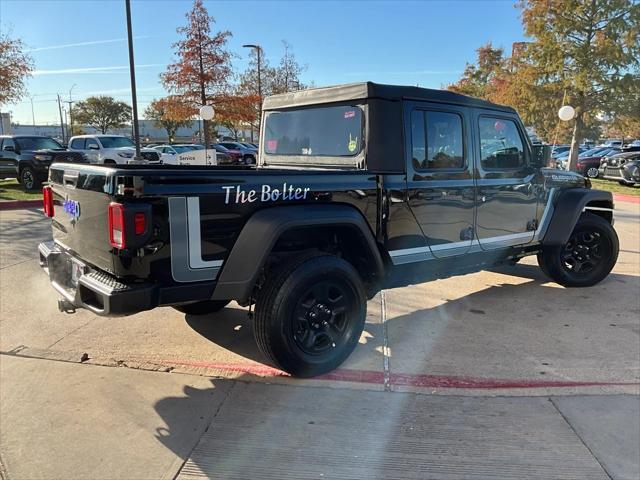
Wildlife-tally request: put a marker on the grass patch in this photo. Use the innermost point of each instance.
(10, 189)
(615, 187)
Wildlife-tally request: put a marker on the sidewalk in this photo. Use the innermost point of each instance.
(64, 420)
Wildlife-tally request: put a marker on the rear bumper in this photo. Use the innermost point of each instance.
(104, 294)
(93, 289)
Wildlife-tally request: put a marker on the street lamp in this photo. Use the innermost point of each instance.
(258, 50)
(132, 74)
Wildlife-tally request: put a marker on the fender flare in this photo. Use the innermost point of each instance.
(263, 229)
(568, 208)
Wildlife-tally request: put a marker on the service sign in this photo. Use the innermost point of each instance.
(198, 157)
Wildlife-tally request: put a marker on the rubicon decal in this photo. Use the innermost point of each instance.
(267, 193)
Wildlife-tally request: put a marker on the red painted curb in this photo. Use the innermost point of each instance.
(621, 197)
(18, 204)
(401, 379)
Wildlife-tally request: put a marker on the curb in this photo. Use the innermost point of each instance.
(621, 197)
(20, 204)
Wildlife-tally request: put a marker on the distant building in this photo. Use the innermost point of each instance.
(149, 133)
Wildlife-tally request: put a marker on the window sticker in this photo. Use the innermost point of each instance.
(349, 114)
(353, 144)
(272, 145)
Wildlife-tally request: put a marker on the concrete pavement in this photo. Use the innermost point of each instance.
(507, 333)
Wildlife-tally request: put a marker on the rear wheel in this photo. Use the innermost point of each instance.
(249, 160)
(310, 314)
(588, 256)
(29, 179)
(202, 308)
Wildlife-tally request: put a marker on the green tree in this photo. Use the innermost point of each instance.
(102, 113)
(15, 67)
(589, 49)
(163, 114)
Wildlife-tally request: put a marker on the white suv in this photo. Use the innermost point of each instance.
(114, 149)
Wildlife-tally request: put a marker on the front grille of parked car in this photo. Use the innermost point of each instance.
(72, 157)
(151, 156)
(612, 172)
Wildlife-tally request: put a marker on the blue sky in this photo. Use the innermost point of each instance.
(82, 43)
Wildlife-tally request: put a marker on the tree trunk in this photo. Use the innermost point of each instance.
(575, 142)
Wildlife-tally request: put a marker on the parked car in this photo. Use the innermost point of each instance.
(110, 149)
(334, 213)
(623, 167)
(249, 155)
(232, 156)
(588, 165)
(28, 158)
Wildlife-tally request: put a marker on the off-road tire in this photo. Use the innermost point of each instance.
(284, 335)
(588, 256)
(29, 179)
(202, 308)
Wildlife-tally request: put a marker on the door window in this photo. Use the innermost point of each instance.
(501, 145)
(91, 141)
(77, 143)
(8, 142)
(437, 140)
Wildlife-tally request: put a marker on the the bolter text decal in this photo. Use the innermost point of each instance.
(235, 194)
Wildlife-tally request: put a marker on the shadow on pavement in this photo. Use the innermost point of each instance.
(531, 330)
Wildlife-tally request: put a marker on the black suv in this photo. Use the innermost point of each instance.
(28, 157)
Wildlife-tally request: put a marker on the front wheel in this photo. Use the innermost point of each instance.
(592, 172)
(588, 256)
(29, 179)
(310, 314)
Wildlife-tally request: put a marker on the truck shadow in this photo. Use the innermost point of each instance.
(499, 317)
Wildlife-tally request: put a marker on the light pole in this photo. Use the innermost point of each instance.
(71, 109)
(258, 50)
(132, 72)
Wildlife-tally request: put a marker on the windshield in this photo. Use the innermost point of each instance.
(37, 143)
(324, 131)
(115, 142)
(181, 148)
(592, 152)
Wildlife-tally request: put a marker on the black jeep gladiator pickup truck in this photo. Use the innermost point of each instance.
(357, 188)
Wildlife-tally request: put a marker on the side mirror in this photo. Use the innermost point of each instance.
(93, 146)
(9, 148)
(541, 156)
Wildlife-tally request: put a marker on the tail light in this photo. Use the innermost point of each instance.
(47, 198)
(127, 225)
(116, 226)
(140, 223)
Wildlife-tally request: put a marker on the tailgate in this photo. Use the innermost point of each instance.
(81, 195)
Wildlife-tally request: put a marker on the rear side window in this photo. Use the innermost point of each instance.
(437, 140)
(500, 144)
(77, 143)
(334, 131)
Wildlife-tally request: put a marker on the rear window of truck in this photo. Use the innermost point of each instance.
(334, 131)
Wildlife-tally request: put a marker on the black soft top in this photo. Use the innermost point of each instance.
(370, 90)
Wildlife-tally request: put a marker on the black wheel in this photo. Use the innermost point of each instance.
(592, 172)
(310, 314)
(542, 265)
(202, 308)
(29, 179)
(249, 160)
(588, 256)
(110, 162)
